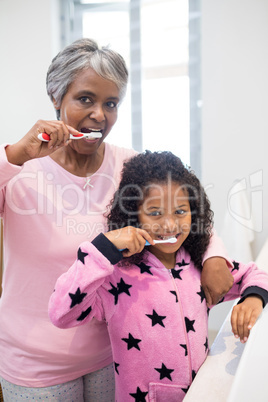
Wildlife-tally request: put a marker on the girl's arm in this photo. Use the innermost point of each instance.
(216, 278)
(76, 298)
(245, 315)
(79, 293)
(251, 284)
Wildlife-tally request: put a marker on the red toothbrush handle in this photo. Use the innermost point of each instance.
(44, 137)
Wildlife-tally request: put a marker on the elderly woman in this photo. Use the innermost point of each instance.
(53, 196)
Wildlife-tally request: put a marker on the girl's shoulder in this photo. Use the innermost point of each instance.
(183, 255)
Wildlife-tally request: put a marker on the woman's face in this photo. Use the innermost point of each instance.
(90, 104)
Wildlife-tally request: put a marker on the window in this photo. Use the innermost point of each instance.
(153, 37)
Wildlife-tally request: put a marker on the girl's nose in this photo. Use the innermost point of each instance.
(169, 224)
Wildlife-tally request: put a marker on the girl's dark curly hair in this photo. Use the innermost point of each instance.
(159, 167)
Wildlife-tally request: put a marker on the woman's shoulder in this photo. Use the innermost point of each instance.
(118, 152)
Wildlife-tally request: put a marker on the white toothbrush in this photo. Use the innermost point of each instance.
(94, 134)
(170, 240)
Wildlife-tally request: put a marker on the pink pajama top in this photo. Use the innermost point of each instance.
(157, 318)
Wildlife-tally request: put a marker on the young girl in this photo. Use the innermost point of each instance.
(151, 296)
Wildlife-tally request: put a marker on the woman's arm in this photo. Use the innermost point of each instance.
(30, 147)
(216, 278)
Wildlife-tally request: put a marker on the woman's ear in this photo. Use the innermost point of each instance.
(57, 108)
(55, 104)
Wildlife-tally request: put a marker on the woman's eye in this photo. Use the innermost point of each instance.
(111, 104)
(85, 99)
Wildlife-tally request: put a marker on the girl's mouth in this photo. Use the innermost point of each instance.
(162, 237)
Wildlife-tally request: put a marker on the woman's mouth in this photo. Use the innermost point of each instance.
(92, 132)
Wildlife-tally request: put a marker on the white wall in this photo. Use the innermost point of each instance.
(235, 101)
(29, 38)
(235, 109)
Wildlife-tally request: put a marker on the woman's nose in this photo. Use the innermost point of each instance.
(97, 113)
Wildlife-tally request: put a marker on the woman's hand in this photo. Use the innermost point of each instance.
(129, 239)
(216, 279)
(244, 316)
(30, 147)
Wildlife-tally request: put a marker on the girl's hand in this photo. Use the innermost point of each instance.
(216, 279)
(244, 316)
(129, 239)
(30, 147)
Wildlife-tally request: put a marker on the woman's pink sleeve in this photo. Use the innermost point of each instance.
(216, 248)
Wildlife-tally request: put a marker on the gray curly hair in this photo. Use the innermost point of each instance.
(82, 54)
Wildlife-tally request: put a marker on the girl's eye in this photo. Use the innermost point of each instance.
(155, 213)
(180, 212)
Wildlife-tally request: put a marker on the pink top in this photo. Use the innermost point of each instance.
(47, 213)
(157, 318)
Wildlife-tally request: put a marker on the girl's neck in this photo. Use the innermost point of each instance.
(79, 164)
(168, 260)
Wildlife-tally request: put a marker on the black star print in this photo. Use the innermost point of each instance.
(189, 324)
(220, 301)
(164, 372)
(236, 266)
(116, 365)
(156, 319)
(193, 374)
(239, 283)
(131, 342)
(123, 287)
(201, 294)
(176, 274)
(185, 348)
(139, 396)
(174, 293)
(81, 256)
(206, 344)
(84, 314)
(185, 389)
(114, 292)
(144, 268)
(182, 264)
(77, 297)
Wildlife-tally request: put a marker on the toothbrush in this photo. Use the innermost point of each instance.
(45, 137)
(170, 240)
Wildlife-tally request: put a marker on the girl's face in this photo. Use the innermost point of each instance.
(166, 213)
(90, 104)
